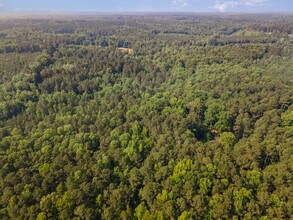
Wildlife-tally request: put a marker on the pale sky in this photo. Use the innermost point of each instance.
(261, 6)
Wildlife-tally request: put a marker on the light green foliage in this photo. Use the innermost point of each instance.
(205, 185)
(164, 196)
(287, 118)
(241, 197)
(227, 139)
(42, 216)
(44, 168)
(275, 201)
(181, 170)
(254, 178)
(140, 210)
(185, 216)
(65, 202)
(217, 117)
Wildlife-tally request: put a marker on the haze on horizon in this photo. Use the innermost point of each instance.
(254, 6)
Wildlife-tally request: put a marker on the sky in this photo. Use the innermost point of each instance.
(257, 6)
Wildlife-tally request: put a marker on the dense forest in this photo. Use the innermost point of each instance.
(173, 116)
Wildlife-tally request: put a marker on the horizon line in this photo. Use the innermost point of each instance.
(139, 11)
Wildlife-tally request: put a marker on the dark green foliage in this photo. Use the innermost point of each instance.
(196, 123)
